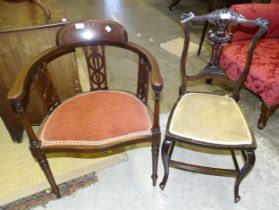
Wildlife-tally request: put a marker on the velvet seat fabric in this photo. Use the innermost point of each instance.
(97, 118)
(263, 78)
(210, 118)
(253, 11)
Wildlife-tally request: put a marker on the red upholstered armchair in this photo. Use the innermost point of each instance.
(263, 78)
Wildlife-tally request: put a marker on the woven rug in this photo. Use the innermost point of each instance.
(43, 197)
(21, 176)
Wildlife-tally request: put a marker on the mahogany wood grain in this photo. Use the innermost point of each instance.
(218, 36)
(69, 38)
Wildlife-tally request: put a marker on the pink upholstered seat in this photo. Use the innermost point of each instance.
(97, 118)
(264, 73)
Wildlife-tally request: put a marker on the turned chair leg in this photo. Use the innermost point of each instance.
(41, 158)
(166, 152)
(248, 165)
(266, 112)
(155, 157)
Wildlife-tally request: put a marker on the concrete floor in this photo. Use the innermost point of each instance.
(128, 185)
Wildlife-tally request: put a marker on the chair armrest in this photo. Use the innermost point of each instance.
(268, 12)
(156, 79)
(156, 82)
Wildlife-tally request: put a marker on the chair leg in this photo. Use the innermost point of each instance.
(202, 37)
(155, 157)
(171, 149)
(248, 165)
(165, 152)
(208, 81)
(41, 158)
(173, 4)
(266, 112)
(211, 7)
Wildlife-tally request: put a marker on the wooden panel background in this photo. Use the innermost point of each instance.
(25, 32)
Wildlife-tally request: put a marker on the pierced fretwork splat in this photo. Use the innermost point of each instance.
(46, 90)
(143, 80)
(96, 64)
(220, 35)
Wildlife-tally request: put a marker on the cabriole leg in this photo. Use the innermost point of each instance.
(165, 158)
(248, 165)
(266, 112)
(171, 149)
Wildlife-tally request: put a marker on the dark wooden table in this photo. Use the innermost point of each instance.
(25, 30)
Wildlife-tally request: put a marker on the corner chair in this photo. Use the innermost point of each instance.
(95, 121)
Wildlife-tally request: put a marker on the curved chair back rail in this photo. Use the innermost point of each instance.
(91, 30)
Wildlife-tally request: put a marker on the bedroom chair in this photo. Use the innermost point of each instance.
(98, 120)
(263, 78)
(209, 120)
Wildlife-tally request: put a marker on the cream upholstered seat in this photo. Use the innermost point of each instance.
(97, 118)
(210, 118)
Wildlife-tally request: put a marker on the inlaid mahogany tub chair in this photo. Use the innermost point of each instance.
(98, 120)
(208, 120)
(263, 78)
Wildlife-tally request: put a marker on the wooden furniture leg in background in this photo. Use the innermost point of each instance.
(24, 36)
(173, 4)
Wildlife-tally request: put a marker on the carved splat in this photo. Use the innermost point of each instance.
(143, 80)
(96, 64)
(45, 88)
(220, 35)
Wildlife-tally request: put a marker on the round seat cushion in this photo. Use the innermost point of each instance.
(97, 118)
(263, 78)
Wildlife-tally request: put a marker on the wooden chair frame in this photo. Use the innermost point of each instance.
(221, 19)
(68, 38)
